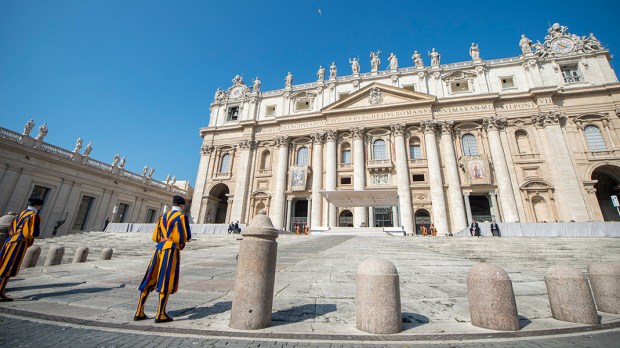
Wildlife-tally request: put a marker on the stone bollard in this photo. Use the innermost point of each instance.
(491, 299)
(54, 255)
(605, 283)
(32, 256)
(106, 254)
(81, 254)
(255, 277)
(377, 297)
(569, 295)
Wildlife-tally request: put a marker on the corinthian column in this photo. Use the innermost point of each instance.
(359, 173)
(239, 205)
(457, 208)
(569, 191)
(440, 218)
(331, 175)
(402, 177)
(317, 178)
(504, 185)
(201, 183)
(277, 211)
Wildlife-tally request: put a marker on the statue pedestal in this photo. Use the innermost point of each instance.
(27, 140)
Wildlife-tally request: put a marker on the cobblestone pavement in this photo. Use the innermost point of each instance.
(17, 332)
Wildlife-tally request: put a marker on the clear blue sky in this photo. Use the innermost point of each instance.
(137, 77)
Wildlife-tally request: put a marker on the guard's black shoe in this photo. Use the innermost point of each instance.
(5, 298)
(163, 320)
(138, 317)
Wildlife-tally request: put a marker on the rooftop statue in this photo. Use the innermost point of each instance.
(355, 66)
(28, 127)
(115, 160)
(321, 73)
(219, 95)
(474, 52)
(417, 59)
(88, 148)
(42, 131)
(256, 85)
(332, 71)
(78, 145)
(288, 80)
(525, 44)
(435, 57)
(375, 62)
(393, 61)
(122, 164)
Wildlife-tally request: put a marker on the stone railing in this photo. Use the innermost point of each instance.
(597, 155)
(57, 151)
(345, 165)
(8, 134)
(221, 175)
(527, 156)
(418, 162)
(98, 164)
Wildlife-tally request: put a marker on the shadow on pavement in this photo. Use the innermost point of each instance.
(202, 312)
(523, 321)
(411, 320)
(69, 292)
(302, 313)
(42, 286)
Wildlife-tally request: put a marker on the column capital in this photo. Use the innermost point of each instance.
(318, 138)
(494, 123)
(331, 135)
(543, 119)
(207, 149)
(466, 194)
(398, 129)
(247, 144)
(447, 127)
(282, 141)
(358, 132)
(429, 126)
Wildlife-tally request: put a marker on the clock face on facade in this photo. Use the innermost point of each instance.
(236, 92)
(562, 45)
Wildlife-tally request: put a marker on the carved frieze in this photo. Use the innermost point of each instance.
(375, 96)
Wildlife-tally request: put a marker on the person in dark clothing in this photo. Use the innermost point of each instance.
(495, 229)
(474, 229)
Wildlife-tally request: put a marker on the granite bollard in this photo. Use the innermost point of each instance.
(32, 256)
(81, 254)
(106, 254)
(491, 298)
(605, 283)
(54, 255)
(569, 295)
(255, 277)
(377, 297)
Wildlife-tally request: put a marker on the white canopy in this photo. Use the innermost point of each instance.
(367, 198)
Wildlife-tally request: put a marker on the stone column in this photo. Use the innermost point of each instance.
(569, 191)
(317, 179)
(457, 208)
(331, 174)
(360, 214)
(277, 210)
(289, 211)
(402, 177)
(440, 218)
(371, 217)
(467, 207)
(201, 182)
(309, 213)
(502, 176)
(496, 214)
(239, 205)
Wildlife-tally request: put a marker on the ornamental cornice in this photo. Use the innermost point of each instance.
(494, 123)
(398, 129)
(429, 127)
(357, 132)
(331, 135)
(548, 118)
(282, 141)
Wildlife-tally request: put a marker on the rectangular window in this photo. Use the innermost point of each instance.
(507, 82)
(417, 177)
(121, 213)
(410, 88)
(415, 152)
(571, 74)
(345, 180)
(342, 95)
(270, 110)
(460, 86)
(233, 113)
(302, 105)
(40, 192)
(346, 156)
(82, 213)
(150, 216)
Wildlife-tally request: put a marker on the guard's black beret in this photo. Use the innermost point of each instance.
(35, 201)
(178, 200)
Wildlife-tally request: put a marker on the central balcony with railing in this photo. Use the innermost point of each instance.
(379, 165)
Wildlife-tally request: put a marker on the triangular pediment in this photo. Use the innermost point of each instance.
(377, 96)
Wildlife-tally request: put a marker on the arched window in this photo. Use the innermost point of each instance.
(415, 150)
(594, 138)
(345, 153)
(523, 141)
(470, 147)
(378, 149)
(225, 163)
(302, 156)
(265, 160)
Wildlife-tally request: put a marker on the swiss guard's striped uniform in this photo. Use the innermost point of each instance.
(22, 232)
(171, 234)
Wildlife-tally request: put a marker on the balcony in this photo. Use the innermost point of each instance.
(527, 158)
(602, 155)
(345, 166)
(417, 163)
(379, 165)
(222, 176)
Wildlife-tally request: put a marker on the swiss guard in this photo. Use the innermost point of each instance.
(171, 234)
(22, 232)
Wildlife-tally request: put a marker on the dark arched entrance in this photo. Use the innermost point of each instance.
(217, 204)
(608, 184)
(345, 219)
(422, 218)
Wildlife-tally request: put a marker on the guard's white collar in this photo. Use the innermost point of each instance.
(33, 209)
(175, 208)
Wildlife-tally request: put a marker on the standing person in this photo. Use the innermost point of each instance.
(433, 230)
(474, 229)
(296, 229)
(22, 232)
(423, 231)
(106, 223)
(171, 234)
(237, 228)
(495, 229)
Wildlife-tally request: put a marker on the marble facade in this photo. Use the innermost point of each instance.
(531, 138)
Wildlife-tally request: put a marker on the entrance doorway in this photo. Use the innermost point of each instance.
(422, 218)
(383, 217)
(345, 219)
(608, 185)
(300, 214)
(217, 206)
(480, 208)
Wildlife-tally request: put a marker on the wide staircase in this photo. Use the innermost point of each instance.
(354, 231)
